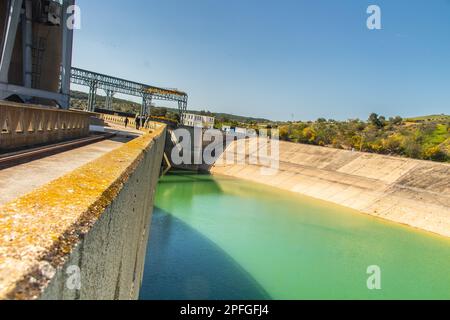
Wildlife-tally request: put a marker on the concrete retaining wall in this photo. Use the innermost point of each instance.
(411, 192)
(94, 220)
(198, 143)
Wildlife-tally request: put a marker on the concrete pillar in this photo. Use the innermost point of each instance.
(12, 23)
(66, 61)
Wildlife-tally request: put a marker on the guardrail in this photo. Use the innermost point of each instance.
(120, 120)
(25, 125)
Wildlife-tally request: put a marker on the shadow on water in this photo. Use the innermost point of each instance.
(183, 176)
(182, 264)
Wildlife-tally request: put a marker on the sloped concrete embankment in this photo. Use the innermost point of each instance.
(407, 191)
(84, 235)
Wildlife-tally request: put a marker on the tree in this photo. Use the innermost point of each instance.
(377, 121)
(396, 121)
(158, 112)
(373, 119)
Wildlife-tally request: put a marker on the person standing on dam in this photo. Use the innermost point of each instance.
(126, 122)
(137, 120)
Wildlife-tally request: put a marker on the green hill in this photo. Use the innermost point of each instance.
(430, 118)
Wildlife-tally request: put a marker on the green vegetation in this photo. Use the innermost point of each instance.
(427, 140)
(432, 118)
(426, 137)
(79, 101)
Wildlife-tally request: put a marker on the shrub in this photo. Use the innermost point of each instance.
(435, 154)
(393, 144)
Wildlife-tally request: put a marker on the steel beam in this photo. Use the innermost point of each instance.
(67, 44)
(92, 98)
(7, 90)
(146, 102)
(84, 77)
(27, 43)
(10, 38)
(109, 99)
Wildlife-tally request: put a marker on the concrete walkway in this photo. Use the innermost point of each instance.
(24, 178)
(115, 127)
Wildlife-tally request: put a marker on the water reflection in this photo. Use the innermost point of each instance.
(181, 264)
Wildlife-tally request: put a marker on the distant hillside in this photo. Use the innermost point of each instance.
(431, 118)
(79, 101)
(425, 138)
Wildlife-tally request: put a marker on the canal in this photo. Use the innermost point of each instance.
(222, 238)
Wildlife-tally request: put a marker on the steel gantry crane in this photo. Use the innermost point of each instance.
(112, 85)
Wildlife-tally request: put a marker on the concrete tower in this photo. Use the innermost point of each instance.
(36, 51)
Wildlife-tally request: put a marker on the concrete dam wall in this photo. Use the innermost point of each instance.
(84, 235)
(407, 191)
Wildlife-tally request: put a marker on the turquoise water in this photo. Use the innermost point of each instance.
(222, 238)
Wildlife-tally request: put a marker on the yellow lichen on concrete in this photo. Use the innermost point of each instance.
(39, 230)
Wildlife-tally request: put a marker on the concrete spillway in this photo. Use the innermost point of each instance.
(407, 191)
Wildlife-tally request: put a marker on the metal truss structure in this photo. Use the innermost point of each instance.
(112, 85)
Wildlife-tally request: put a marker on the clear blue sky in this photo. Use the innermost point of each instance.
(300, 59)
